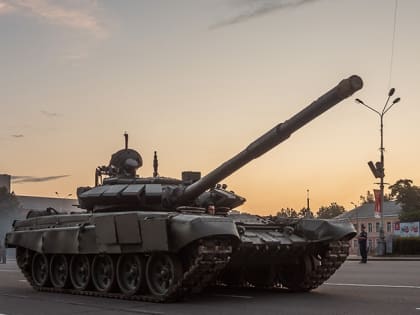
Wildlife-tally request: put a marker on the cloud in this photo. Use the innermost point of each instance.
(49, 114)
(33, 179)
(257, 8)
(79, 17)
(17, 135)
(5, 7)
(73, 57)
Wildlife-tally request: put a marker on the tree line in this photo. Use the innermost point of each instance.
(403, 192)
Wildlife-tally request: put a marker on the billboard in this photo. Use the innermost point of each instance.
(407, 229)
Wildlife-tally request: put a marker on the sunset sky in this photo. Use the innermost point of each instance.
(197, 81)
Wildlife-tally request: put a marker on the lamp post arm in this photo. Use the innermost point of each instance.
(371, 108)
(389, 108)
(386, 103)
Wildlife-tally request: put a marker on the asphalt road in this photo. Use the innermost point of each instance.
(379, 287)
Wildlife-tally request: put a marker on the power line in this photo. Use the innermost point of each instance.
(391, 63)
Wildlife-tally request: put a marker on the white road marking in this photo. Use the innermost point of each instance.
(23, 280)
(235, 296)
(374, 285)
(418, 309)
(126, 310)
(141, 311)
(14, 296)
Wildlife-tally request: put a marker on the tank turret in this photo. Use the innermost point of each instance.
(123, 189)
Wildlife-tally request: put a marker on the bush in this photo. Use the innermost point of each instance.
(407, 245)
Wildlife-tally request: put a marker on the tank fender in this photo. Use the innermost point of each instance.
(186, 228)
(326, 230)
(32, 240)
(51, 241)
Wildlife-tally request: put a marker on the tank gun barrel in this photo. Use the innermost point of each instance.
(273, 137)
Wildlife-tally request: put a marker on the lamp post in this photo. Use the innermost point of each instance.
(308, 209)
(378, 170)
(357, 216)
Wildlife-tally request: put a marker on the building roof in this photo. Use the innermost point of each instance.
(42, 203)
(391, 209)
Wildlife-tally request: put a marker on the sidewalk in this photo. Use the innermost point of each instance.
(386, 258)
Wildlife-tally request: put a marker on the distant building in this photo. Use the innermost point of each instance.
(5, 181)
(39, 203)
(365, 215)
(42, 203)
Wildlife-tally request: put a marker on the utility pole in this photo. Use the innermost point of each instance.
(378, 170)
(308, 209)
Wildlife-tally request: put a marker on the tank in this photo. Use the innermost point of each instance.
(160, 239)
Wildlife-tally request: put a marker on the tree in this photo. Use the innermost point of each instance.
(305, 213)
(330, 211)
(408, 196)
(287, 213)
(367, 199)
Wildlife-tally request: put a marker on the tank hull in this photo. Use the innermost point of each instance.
(229, 250)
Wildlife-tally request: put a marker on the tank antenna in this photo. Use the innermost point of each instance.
(126, 140)
(155, 165)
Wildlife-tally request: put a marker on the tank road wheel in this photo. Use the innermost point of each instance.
(130, 271)
(103, 273)
(59, 271)
(40, 270)
(23, 258)
(163, 271)
(80, 272)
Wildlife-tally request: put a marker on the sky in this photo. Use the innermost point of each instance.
(197, 81)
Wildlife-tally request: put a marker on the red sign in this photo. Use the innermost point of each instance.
(378, 209)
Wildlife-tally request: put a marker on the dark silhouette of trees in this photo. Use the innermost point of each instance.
(305, 213)
(408, 196)
(287, 213)
(331, 211)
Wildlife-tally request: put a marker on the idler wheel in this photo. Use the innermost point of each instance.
(130, 274)
(163, 271)
(297, 277)
(59, 271)
(80, 272)
(40, 270)
(103, 273)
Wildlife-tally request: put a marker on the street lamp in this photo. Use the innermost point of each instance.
(308, 210)
(357, 216)
(379, 169)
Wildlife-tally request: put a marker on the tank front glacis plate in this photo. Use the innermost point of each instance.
(326, 230)
(186, 228)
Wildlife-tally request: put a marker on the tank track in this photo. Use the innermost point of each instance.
(323, 268)
(210, 257)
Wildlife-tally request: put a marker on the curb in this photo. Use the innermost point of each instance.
(386, 258)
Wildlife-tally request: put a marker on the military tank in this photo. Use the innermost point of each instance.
(151, 238)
